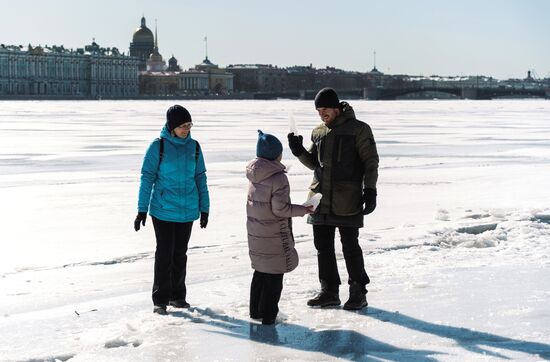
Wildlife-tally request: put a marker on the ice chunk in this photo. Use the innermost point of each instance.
(292, 124)
(313, 201)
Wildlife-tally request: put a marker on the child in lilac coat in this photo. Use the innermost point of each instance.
(269, 226)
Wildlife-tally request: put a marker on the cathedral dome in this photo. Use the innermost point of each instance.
(143, 34)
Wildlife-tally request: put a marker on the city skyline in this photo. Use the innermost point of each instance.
(502, 39)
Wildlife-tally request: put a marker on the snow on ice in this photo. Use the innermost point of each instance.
(457, 250)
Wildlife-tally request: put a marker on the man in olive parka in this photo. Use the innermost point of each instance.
(344, 159)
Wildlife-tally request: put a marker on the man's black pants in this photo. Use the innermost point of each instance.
(323, 237)
(170, 260)
(265, 292)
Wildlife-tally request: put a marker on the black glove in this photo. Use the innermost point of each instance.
(204, 220)
(295, 144)
(140, 218)
(369, 198)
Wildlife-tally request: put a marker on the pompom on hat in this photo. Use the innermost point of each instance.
(175, 116)
(327, 98)
(268, 146)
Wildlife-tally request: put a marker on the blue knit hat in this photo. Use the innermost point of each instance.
(268, 146)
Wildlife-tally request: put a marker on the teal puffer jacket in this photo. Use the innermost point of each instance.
(175, 190)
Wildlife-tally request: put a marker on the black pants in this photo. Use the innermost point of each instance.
(265, 292)
(170, 260)
(323, 237)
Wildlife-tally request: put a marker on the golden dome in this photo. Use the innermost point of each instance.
(143, 34)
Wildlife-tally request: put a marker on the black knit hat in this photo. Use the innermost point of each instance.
(175, 116)
(327, 98)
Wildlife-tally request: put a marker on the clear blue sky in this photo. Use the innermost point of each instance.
(500, 38)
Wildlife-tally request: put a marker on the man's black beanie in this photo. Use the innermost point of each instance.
(327, 98)
(175, 116)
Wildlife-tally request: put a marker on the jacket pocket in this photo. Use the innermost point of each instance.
(347, 198)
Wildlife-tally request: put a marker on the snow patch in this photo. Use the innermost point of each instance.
(476, 229)
(477, 216)
(62, 358)
(442, 215)
(475, 236)
(121, 342)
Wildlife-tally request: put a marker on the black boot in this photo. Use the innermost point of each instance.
(179, 303)
(160, 309)
(327, 297)
(357, 297)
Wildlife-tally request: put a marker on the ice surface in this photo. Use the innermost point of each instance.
(457, 249)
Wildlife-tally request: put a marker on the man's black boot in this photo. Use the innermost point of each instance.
(179, 303)
(357, 297)
(327, 297)
(160, 309)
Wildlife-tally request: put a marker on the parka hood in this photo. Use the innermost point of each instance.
(167, 135)
(260, 169)
(346, 112)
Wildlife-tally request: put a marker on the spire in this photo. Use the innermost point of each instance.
(143, 21)
(374, 56)
(206, 46)
(156, 37)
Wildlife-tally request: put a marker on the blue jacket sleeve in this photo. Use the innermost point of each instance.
(200, 180)
(149, 171)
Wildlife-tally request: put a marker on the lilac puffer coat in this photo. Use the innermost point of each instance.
(269, 223)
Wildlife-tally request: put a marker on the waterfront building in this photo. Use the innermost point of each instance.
(220, 81)
(197, 81)
(258, 77)
(302, 78)
(56, 72)
(159, 84)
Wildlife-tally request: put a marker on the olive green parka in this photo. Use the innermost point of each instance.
(344, 159)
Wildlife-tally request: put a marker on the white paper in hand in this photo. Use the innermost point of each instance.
(292, 124)
(313, 201)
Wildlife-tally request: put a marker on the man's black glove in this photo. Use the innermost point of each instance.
(204, 219)
(140, 219)
(369, 198)
(295, 144)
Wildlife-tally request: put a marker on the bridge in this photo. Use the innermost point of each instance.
(392, 93)
(388, 93)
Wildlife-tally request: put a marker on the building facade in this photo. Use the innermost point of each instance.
(191, 82)
(258, 78)
(91, 72)
(220, 81)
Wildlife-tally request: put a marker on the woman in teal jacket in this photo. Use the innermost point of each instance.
(173, 190)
